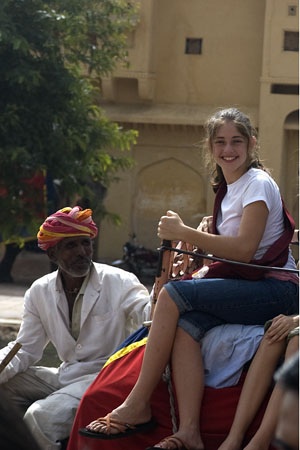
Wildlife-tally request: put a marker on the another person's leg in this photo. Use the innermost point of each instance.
(287, 427)
(48, 409)
(14, 434)
(257, 382)
(256, 385)
(35, 383)
(264, 435)
(50, 419)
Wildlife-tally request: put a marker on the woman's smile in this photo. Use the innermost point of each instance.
(230, 150)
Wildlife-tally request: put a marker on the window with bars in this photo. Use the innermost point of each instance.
(291, 41)
(193, 46)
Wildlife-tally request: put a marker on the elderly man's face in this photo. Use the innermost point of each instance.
(73, 255)
(287, 431)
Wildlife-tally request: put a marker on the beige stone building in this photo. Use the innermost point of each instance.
(188, 58)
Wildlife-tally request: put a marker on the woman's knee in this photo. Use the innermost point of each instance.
(292, 346)
(271, 348)
(165, 302)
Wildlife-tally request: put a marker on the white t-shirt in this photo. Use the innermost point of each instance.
(255, 185)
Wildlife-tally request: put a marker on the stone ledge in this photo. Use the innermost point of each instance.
(10, 323)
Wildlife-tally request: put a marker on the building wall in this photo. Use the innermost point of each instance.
(231, 33)
(167, 94)
(278, 107)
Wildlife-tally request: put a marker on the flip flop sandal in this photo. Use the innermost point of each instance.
(176, 444)
(124, 429)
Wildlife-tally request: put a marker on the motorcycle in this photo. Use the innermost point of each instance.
(138, 259)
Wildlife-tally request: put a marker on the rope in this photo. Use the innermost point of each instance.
(167, 377)
(229, 261)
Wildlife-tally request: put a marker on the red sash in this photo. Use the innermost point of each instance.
(275, 256)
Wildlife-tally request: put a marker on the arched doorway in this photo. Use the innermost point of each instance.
(159, 188)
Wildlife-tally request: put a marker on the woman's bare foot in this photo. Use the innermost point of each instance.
(180, 441)
(256, 444)
(231, 443)
(129, 415)
(236, 444)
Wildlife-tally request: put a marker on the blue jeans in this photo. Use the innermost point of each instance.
(205, 303)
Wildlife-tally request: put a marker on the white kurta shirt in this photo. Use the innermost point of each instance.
(114, 304)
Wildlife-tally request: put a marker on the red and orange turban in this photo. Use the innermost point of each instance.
(67, 222)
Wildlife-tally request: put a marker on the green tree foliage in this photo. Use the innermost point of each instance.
(52, 56)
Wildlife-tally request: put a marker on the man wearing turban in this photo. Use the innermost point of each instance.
(86, 309)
